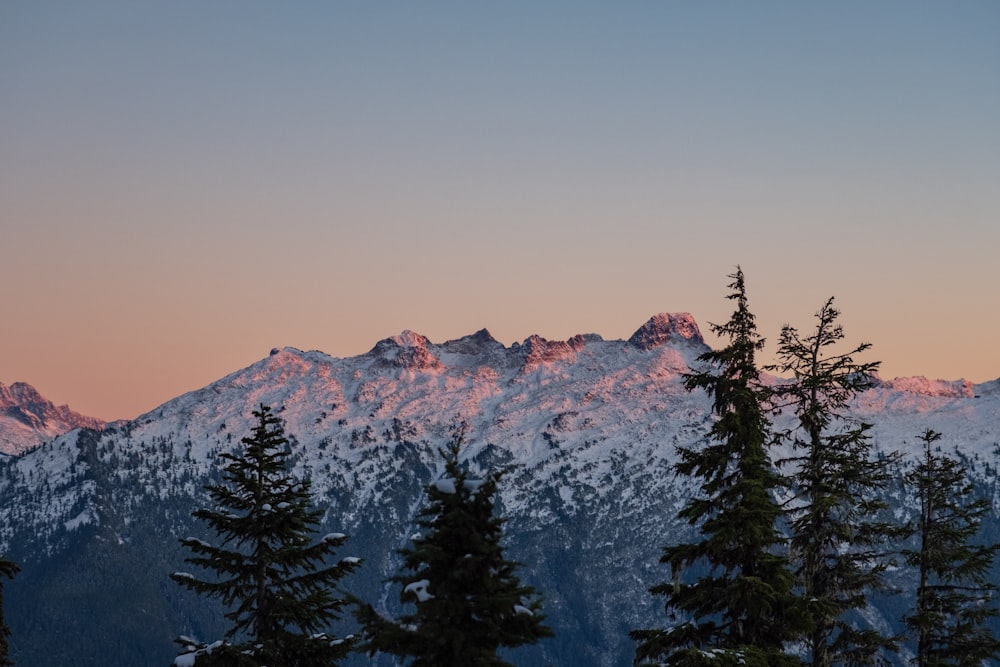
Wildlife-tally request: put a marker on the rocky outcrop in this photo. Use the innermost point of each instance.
(27, 419)
(667, 327)
(408, 350)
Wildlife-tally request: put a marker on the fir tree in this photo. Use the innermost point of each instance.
(267, 570)
(954, 595)
(740, 609)
(838, 547)
(468, 599)
(7, 570)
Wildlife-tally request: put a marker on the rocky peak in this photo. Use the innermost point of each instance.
(27, 418)
(407, 350)
(410, 339)
(537, 350)
(667, 327)
(477, 343)
(19, 394)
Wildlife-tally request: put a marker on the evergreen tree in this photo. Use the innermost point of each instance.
(838, 547)
(740, 611)
(468, 599)
(7, 569)
(276, 582)
(954, 594)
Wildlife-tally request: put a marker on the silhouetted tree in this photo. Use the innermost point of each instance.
(468, 601)
(839, 547)
(739, 612)
(268, 571)
(955, 598)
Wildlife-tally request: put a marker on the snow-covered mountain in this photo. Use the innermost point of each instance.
(590, 425)
(27, 419)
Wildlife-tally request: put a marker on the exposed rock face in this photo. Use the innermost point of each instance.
(667, 327)
(412, 351)
(408, 350)
(481, 342)
(540, 350)
(27, 419)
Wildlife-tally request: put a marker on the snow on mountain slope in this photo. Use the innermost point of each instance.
(526, 400)
(581, 411)
(591, 427)
(967, 415)
(27, 419)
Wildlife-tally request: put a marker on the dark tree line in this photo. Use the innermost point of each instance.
(267, 569)
(467, 599)
(742, 612)
(954, 595)
(840, 549)
(784, 584)
(7, 571)
(283, 593)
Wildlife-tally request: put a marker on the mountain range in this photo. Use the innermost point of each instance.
(589, 427)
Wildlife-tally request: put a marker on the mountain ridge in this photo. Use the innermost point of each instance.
(589, 425)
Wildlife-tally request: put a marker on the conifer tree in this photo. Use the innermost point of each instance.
(280, 590)
(839, 548)
(468, 601)
(739, 611)
(7, 570)
(954, 595)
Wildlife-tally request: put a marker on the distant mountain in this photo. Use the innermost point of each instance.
(591, 425)
(27, 419)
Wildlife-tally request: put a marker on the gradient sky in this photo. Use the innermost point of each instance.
(185, 185)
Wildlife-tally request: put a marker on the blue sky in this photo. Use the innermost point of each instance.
(172, 172)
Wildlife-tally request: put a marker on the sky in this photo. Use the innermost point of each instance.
(185, 185)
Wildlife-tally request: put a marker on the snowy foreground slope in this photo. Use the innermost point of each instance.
(591, 425)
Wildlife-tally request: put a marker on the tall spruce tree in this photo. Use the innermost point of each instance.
(7, 571)
(839, 548)
(738, 608)
(468, 599)
(275, 580)
(955, 598)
